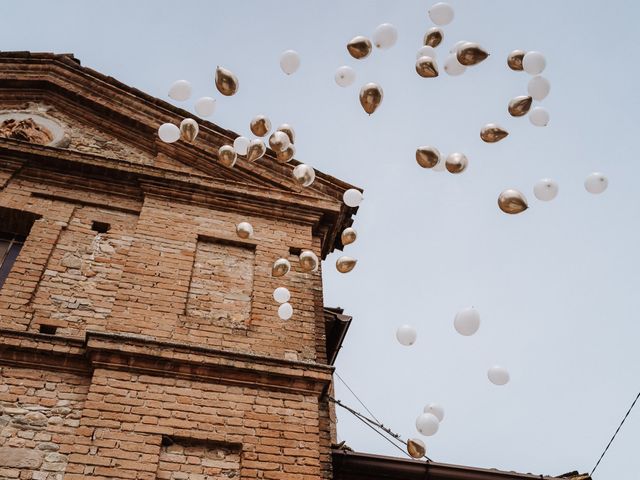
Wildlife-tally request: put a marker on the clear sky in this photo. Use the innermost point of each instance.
(556, 286)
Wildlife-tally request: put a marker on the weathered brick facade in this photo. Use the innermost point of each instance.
(138, 334)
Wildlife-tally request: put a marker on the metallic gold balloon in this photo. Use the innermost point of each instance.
(519, 106)
(471, 54)
(359, 47)
(260, 125)
(309, 261)
(416, 448)
(512, 202)
(226, 82)
(370, 97)
(287, 154)
(280, 267)
(514, 60)
(244, 230)
(227, 156)
(427, 157)
(426, 67)
(456, 163)
(433, 37)
(256, 150)
(189, 130)
(345, 264)
(288, 129)
(348, 236)
(492, 133)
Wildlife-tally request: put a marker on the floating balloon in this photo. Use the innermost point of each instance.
(492, 133)
(285, 311)
(416, 448)
(180, 90)
(426, 51)
(226, 82)
(205, 106)
(545, 189)
(435, 410)
(433, 37)
(533, 63)
(514, 60)
(281, 295)
(370, 97)
(519, 106)
(471, 54)
(244, 230)
(427, 157)
(289, 61)
(348, 236)
(287, 154)
(227, 156)
(456, 163)
(279, 141)
(385, 36)
(467, 321)
(309, 261)
(256, 150)
(280, 267)
(596, 183)
(359, 47)
(304, 174)
(345, 264)
(427, 424)
(169, 133)
(345, 76)
(512, 202)
(539, 87)
(441, 13)
(457, 45)
(189, 130)
(406, 335)
(241, 144)
(453, 67)
(498, 375)
(260, 125)
(539, 116)
(352, 197)
(426, 67)
(288, 129)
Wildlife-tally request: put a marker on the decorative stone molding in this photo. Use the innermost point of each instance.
(33, 128)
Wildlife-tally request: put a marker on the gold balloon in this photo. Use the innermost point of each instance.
(370, 97)
(492, 133)
(471, 54)
(287, 154)
(256, 150)
(189, 130)
(278, 141)
(433, 37)
(514, 60)
(227, 156)
(244, 230)
(288, 129)
(359, 47)
(260, 125)
(226, 82)
(519, 106)
(308, 261)
(348, 236)
(416, 448)
(345, 264)
(427, 157)
(456, 163)
(280, 267)
(512, 201)
(426, 67)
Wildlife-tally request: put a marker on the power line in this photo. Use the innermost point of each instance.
(616, 433)
(357, 398)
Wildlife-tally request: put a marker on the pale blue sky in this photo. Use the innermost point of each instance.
(556, 286)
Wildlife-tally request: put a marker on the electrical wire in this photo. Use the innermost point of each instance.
(357, 398)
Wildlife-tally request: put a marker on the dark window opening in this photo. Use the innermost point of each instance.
(48, 329)
(295, 251)
(14, 228)
(10, 245)
(100, 227)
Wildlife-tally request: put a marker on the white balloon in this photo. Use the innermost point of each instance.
(457, 46)
(305, 173)
(498, 375)
(453, 67)
(180, 90)
(385, 36)
(345, 76)
(539, 116)
(289, 61)
(285, 311)
(406, 335)
(352, 197)
(467, 321)
(169, 133)
(435, 410)
(441, 13)
(282, 138)
(533, 63)
(426, 51)
(205, 106)
(545, 189)
(427, 424)
(281, 295)
(596, 183)
(240, 145)
(538, 87)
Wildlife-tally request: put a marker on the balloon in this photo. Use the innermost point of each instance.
(244, 230)
(440, 166)
(538, 87)
(278, 141)
(205, 106)
(385, 36)
(227, 156)
(169, 133)
(519, 106)
(512, 202)
(226, 82)
(260, 125)
(533, 63)
(285, 311)
(456, 163)
(352, 197)
(457, 46)
(453, 67)
(596, 183)
(359, 47)
(441, 13)
(308, 261)
(435, 410)
(471, 54)
(289, 61)
(514, 60)
(280, 267)
(345, 264)
(256, 150)
(426, 67)
(498, 375)
(467, 321)
(348, 236)
(492, 133)
(539, 116)
(287, 154)
(288, 129)
(370, 97)
(545, 189)
(433, 37)
(426, 51)
(240, 145)
(304, 174)
(427, 424)
(427, 157)
(189, 130)
(180, 90)
(406, 335)
(416, 448)
(345, 76)
(281, 295)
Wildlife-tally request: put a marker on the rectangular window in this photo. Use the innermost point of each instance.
(16, 225)
(10, 245)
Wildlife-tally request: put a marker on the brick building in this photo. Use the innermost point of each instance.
(138, 334)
